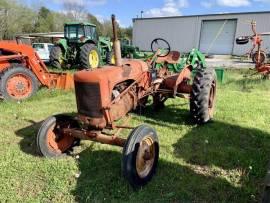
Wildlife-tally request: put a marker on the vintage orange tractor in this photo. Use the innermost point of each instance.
(259, 56)
(108, 94)
(22, 72)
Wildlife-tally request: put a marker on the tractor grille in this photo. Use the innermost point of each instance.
(88, 99)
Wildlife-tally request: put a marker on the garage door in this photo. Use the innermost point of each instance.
(217, 36)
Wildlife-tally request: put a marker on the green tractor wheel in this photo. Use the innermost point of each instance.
(56, 57)
(110, 58)
(89, 56)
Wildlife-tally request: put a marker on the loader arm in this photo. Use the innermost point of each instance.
(30, 59)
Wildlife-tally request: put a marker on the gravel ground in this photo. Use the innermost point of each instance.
(229, 63)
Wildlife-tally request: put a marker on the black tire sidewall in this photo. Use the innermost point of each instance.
(109, 56)
(84, 55)
(55, 54)
(41, 138)
(199, 97)
(130, 152)
(13, 71)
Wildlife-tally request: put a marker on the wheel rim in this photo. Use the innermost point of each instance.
(212, 99)
(262, 57)
(19, 86)
(61, 61)
(93, 59)
(113, 60)
(145, 157)
(57, 142)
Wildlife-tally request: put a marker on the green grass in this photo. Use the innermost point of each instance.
(224, 161)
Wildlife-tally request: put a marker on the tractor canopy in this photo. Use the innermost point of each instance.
(80, 32)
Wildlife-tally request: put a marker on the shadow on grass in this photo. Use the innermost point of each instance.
(28, 143)
(171, 114)
(29, 133)
(229, 147)
(243, 151)
(101, 180)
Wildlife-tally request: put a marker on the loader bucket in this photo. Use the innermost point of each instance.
(62, 81)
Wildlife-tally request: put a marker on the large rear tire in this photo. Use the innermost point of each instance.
(50, 140)
(18, 83)
(203, 96)
(140, 156)
(56, 57)
(89, 56)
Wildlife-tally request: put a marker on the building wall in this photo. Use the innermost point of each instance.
(183, 33)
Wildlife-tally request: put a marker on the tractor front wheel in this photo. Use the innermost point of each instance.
(18, 83)
(56, 57)
(110, 58)
(51, 142)
(89, 56)
(203, 96)
(140, 156)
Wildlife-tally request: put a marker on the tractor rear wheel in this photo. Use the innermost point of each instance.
(140, 156)
(18, 83)
(56, 57)
(203, 96)
(50, 140)
(255, 57)
(89, 56)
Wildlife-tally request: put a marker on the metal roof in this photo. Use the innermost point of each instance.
(203, 15)
(45, 35)
(80, 23)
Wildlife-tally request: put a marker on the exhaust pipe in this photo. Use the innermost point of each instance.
(116, 44)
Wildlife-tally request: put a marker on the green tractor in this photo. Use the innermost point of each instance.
(194, 58)
(81, 46)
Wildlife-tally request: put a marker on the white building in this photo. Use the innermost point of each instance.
(212, 34)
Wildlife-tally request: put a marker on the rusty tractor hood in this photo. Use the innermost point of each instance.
(109, 76)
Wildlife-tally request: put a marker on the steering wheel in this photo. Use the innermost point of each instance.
(161, 44)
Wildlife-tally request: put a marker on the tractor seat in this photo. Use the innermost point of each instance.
(172, 58)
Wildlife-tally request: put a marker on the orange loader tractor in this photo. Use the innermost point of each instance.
(22, 72)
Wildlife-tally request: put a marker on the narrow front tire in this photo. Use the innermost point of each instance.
(140, 156)
(50, 140)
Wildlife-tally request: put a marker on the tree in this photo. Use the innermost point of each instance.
(16, 18)
(75, 10)
(45, 21)
(92, 19)
(127, 32)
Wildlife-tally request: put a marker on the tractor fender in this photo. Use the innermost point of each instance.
(63, 44)
(106, 43)
(90, 42)
(200, 56)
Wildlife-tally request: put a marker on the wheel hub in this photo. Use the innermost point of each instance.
(93, 59)
(19, 86)
(145, 157)
(57, 142)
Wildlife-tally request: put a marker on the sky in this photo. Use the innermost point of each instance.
(126, 10)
